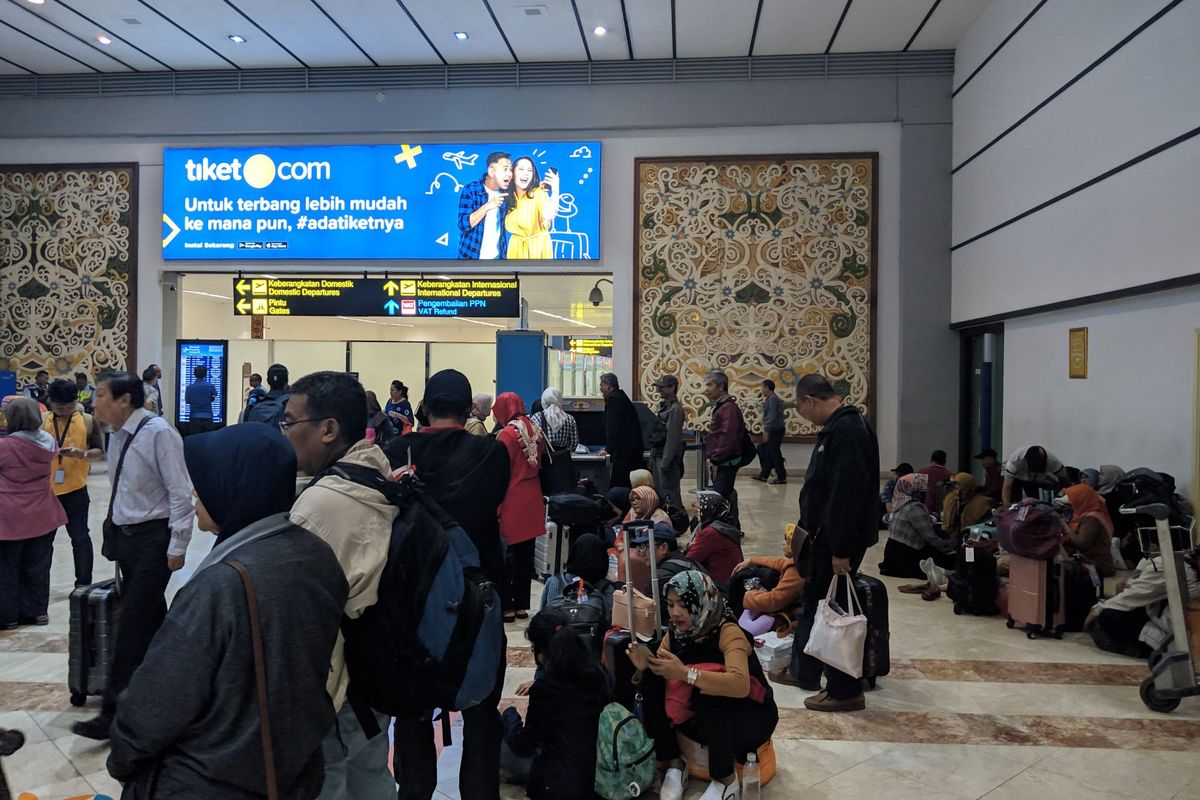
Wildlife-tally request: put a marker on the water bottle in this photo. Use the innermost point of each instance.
(750, 779)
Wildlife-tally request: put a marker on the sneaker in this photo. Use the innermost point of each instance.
(10, 626)
(40, 619)
(935, 574)
(823, 702)
(719, 791)
(673, 785)
(786, 678)
(759, 478)
(96, 728)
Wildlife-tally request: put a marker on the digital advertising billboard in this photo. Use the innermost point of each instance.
(519, 201)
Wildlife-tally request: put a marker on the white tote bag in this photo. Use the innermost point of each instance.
(837, 639)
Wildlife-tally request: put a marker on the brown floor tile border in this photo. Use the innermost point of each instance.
(25, 641)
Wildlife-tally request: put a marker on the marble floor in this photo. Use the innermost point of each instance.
(970, 709)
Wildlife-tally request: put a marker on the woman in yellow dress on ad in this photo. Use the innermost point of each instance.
(532, 206)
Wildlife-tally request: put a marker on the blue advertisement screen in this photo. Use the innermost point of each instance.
(210, 355)
(493, 201)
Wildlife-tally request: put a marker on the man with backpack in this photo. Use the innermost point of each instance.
(270, 407)
(467, 476)
(325, 420)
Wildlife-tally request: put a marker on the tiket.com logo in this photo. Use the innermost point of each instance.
(259, 170)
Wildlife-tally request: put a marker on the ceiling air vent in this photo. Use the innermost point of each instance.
(533, 11)
(131, 20)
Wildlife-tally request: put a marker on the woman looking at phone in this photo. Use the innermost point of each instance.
(532, 206)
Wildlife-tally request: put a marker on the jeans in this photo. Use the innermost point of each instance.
(415, 760)
(667, 477)
(805, 668)
(141, 552)
(76, 505)
(356, 767)
(722, 483)
(518, 576)
(197, 426)
(770, 455)
(25, 578)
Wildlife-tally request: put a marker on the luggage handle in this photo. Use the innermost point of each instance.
(626, 527)
(855, 605)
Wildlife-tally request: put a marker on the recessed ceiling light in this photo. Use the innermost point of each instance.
(600, 30)
(36, 2)
(461, 36)
(104, 40)
(233, 37)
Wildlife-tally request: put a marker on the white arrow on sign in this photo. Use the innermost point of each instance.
(444, 239)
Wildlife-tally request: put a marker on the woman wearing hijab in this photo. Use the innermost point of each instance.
(29, 516)
(963, 506)
(523, 512)
(642, 477)
(588, 562)
(1108, 475)
(644, 503)
(715, 689)
(911, 534)
(481, 409)
(208, 740)
(1090, 531)
(717, 544)
(1090, 477)
(559, 426)
(379, 421)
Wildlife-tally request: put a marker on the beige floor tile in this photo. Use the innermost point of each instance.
(88, 755)
(39, 764)
(1135, 773)
(57, 724)
(62, 790)
(34, 667)
(24, 722)
(103, 783)
(1034, 784)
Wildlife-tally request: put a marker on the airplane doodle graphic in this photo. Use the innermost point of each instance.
(437, 182)
(461, 159)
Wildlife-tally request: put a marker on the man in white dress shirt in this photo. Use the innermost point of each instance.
(151, 513)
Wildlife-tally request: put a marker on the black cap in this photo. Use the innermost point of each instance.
(987, 451)
(662, 533)
(667, 380)
(903, 468)
(448, 393)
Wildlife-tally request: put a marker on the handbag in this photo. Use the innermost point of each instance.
(645, 618)
(837, 639)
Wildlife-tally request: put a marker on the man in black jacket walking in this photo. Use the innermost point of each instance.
(623, 431)
(837, 506)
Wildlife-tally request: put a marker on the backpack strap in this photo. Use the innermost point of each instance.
(260, 680)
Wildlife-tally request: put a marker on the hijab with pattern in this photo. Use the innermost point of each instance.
(908, 488)
(703, 601)
(552, 411)
(509, 410)
(713, 507)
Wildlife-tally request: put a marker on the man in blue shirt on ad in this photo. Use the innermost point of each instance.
(199, 397)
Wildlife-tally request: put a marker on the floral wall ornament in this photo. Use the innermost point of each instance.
(762, 266)
(68, 268)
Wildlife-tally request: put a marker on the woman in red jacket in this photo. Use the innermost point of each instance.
(523, 512)
(29, 516)
(717, 544)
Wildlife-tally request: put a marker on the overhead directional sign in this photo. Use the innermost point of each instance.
(337, 296)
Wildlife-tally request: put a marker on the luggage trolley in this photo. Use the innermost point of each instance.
(1173, 665)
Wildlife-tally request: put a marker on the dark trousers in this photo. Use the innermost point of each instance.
(730, 727)
(199, 426)
(622, 465)
(770, 455)
(142, 559)
(76, 505)
(25, 578)
(902, 561)
(415, 759)
(805, 668)
(667, 477)
(1120, 632)
(723, 478)
(518, 576)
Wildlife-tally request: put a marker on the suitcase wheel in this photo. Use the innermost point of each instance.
(78, 698)
(872, 681)
(1154, 701)
(1009, 622)
(958, 610)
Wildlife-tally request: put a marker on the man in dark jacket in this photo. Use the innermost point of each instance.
(726, 436)
(468, 477)
(270, 407)
(623, 431)
(837, 506)
(666, 442)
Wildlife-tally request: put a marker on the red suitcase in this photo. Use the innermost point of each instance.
(1036, 597)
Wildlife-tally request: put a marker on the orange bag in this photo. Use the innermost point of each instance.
(696, 756)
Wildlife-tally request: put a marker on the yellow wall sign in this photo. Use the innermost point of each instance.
(1077, 348)
(329, 296)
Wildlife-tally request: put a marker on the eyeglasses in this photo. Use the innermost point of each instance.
(285, 424)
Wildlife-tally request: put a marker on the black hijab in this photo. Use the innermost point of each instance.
(589, 559)
(242, 474)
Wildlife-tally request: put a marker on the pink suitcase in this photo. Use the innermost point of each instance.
(1036, 597)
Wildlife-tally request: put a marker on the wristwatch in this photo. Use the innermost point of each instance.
(692, 675)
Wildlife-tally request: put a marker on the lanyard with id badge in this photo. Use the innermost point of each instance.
(60, 474)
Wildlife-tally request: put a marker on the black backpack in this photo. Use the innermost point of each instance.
(434, 637)
(588, 617)
(268, 410)
(767, 579)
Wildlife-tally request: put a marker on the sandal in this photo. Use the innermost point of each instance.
(522, 615)
(509, 617)
(913, 588)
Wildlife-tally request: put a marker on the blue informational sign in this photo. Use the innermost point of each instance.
(210, 354)
(492, 201)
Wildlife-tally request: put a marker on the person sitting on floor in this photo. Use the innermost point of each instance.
(553, 750)
(715, 694)
(1134, 622)
(1090, 531)
(964, 506)
(911, 534)
(717, 543)
(588, 562)
(780, 605)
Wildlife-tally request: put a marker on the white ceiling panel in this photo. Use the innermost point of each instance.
(612, 46)
(11, 69)
(154, 35)
(796, 26)
(35, 25)
(302, 28)
(213, 21)
(382, 29)
(650, 24)
(33, 56)
(948, 24)
(714, 28)
(441, 18)
(873, 26)
(541, 30)
(89, 26)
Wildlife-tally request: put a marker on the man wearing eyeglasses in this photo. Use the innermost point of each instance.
(326, 421)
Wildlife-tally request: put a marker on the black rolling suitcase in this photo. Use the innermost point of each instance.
(92, 639)
(973, 582)
(877, 654)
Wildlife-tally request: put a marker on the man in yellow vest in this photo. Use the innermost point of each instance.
(80, 443)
